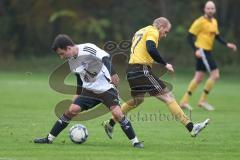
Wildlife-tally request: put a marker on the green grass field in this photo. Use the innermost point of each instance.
(27, 111)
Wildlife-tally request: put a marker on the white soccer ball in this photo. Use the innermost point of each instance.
(78, 133)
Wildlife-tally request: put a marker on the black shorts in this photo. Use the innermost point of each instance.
(200, 66)
(141, 80)
(88, 99)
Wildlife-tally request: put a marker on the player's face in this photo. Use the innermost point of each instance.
(163, 32)
(65, 53)
(210, 10)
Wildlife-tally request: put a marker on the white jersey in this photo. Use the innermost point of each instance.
(88, 64)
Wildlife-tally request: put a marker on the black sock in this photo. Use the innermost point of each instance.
(60, 125)
(112, 122)
(127, 128)
(189, 93)
(189, 126)
(206, 91)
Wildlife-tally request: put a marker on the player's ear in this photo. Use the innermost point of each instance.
(162, 28)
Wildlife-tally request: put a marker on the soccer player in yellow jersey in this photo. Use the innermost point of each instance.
(205, 31)
(142, 80)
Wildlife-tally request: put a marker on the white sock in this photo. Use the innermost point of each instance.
(51, 137)
(134, 140)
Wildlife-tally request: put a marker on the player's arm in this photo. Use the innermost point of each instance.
(151, 46)
(105, 57)
(194, 30)
(79, 86)
(191, 39)
(107, 62)
(221, 40)
(153, 52)
(114, 77)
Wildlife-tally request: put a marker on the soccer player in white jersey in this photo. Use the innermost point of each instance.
(98, 78)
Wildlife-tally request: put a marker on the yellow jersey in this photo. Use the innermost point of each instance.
(205, 31)
(139, 53)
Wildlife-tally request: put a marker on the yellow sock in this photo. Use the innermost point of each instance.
(126, 107)
(191, 87)
(207, 88)
(177, 111)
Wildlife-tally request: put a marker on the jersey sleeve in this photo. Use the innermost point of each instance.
(195, 27)
(95, 50)
(152, 35)
(102, 54)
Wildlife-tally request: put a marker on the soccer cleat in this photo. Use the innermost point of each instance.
(108, 128)
(138, 145)
(206, 106)
(44, 140)
(198, 127)
(186, 106)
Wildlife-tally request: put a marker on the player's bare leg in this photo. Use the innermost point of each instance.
(198, 77)
(176, 110)
(126, 126)
(125, 107)
(214, 76)
(60, 124)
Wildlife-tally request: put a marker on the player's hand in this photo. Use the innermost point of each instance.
(232, 46)
(169, 67)
(198, 53)
(115, 79)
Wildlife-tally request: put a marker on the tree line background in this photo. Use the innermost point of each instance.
(28, 27)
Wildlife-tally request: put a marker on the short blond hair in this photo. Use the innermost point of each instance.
(161, 22)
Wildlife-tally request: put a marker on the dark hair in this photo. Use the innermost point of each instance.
(62, 41)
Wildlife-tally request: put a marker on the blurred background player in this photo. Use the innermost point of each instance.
(141, 79)
(205, 31)
(92, 65)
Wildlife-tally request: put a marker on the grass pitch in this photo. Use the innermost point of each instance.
(27, 111)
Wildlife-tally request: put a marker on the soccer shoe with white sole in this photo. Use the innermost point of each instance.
(206, 106)
(44, 140)
(108, 129)
(138, 145)
(198, 127)
(186, 106)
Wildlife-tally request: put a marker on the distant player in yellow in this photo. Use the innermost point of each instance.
(205, 30)
(142, 80)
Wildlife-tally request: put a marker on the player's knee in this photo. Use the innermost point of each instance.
(198, 80)
(169, 100)
(167, 97)
(117, 112)
(216, 76)
(73, 110)
(198, 77)
(138, 101)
